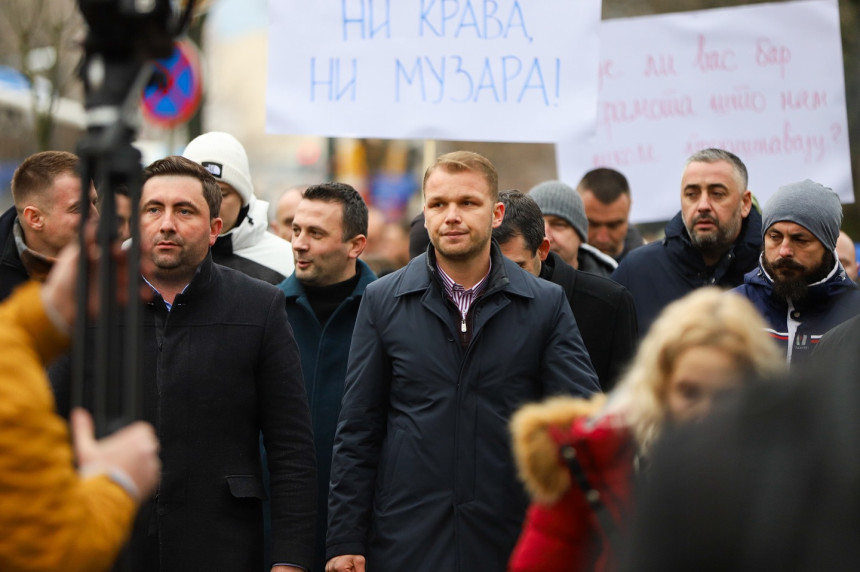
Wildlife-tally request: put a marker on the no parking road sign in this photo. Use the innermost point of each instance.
(173, 97)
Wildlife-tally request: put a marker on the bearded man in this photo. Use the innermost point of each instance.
(713, 241)
(800, 286)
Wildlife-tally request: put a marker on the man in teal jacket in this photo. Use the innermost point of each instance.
(323, 295)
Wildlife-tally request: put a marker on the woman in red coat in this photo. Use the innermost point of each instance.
(578, 458)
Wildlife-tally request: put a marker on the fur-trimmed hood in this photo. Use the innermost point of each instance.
(536, 451)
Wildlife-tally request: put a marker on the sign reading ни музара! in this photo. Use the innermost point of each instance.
(486, 70)
(763, 81)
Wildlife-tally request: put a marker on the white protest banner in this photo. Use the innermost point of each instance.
(764, 82)
(488, 70)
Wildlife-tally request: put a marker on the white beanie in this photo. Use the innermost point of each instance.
(223, 156)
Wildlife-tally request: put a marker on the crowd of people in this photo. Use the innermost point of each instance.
(317, 398)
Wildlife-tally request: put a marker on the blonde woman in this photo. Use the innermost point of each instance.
(578, 458)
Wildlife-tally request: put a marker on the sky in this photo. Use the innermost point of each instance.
(230, 18)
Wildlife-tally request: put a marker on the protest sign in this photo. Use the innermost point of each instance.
(487, 70)
(764, 82)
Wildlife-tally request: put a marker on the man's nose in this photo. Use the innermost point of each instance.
(452, 214)
(168, 223)
(299, 243)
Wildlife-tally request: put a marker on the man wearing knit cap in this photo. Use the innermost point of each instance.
(800, 287)
(567, 228)
(244, 243)
(713, 240)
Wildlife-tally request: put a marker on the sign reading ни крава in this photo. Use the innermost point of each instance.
(496, 70)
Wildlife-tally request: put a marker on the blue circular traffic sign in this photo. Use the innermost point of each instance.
(175, 95)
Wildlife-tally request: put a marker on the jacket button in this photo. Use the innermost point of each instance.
(795, 314)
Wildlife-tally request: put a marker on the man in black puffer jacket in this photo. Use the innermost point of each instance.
(713, 241)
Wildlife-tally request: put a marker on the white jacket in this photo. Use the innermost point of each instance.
(253, 247)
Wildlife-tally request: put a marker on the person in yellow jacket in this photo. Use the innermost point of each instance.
(54, 514)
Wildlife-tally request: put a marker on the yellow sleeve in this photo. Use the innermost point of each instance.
(50, 519)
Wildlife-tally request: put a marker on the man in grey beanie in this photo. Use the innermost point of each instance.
(799, 286)
(567, 228)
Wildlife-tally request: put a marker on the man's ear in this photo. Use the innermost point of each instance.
(746, 202)
(33, 217)
(356, 245)
(498, 214)
(543, 249)
(215, 225)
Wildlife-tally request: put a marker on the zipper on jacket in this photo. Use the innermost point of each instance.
(465, 326)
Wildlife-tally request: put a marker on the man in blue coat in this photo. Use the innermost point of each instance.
(713, 241)
(800, 287)
(444, 350)
(329, 233)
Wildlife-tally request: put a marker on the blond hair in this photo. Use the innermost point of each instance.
(466, 161)
(706, 317)
(34, 177)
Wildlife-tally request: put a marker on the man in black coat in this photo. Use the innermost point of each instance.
(443, 351)
(603, 309)
(46, 189)
(713, 241)
(220, 366)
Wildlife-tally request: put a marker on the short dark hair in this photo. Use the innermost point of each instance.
(605, 184)
(523, 217)
(36, 174)
(354, 207)
(466, 161)
(180, 166)
(713, 155)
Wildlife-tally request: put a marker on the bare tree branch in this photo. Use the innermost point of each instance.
(39, 39)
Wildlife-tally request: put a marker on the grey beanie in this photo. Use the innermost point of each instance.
(809, 204)
(557, 199)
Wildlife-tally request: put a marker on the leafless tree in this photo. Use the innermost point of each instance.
(41, 38)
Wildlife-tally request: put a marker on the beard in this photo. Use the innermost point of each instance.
(722, 236)
(797, 287)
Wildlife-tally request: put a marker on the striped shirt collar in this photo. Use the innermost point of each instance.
(460, 296)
